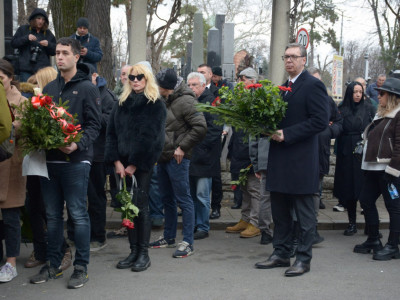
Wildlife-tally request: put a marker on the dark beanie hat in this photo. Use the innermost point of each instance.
(38, 12)
(167, 79)
(82, 22)
(217, 71)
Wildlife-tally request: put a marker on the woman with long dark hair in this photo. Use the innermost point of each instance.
(357, 114)
(381, 163)
(134, 141)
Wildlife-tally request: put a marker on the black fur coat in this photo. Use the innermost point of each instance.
(136, 132)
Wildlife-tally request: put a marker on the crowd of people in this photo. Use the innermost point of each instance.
(149, 131)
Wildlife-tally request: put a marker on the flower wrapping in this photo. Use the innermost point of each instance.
(257, 108)
(45, 125)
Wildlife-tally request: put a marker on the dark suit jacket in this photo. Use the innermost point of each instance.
(293, 165)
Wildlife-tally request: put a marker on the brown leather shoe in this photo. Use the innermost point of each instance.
(239, 227)
(297, 269)
(274, 261)
(67, 259)
(33, 262)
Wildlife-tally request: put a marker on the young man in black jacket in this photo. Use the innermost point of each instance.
(69, 166)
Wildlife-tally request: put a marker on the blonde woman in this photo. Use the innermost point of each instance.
(381, 163)
(134, 141)
(44, 76)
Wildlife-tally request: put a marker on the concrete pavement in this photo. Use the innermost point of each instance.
(222, 267)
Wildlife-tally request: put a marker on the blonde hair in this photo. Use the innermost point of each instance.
(393, 101)
(45, 75)
(150, 90)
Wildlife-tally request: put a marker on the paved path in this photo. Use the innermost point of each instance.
(221, 268)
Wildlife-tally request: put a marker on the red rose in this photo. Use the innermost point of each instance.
(258, 85)
(249, 86)
(233, 187)
(70, 127)
(35, 102)
(127, 223)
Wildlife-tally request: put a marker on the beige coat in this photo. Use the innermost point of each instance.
(12, 183)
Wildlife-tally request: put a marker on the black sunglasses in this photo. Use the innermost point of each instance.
(138, 77)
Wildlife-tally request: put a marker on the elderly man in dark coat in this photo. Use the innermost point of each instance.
(293, 165)
(205, 162)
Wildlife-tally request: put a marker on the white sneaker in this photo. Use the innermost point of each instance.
(338, 207)
(7, 273)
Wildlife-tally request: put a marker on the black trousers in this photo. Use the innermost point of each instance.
(374, 186)
(97, 201)
(12, 230)
(37, 216)
(140, 235)
(282, 206)
(216, 193)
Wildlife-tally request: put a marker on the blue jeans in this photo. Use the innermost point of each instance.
(174, 190)
(200, 188)
(155, 203)
(69, 182)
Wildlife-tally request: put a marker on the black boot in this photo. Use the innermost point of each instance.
(132, 257)
(373, 243)
(144, 229)
(351, 229)
(391, 249)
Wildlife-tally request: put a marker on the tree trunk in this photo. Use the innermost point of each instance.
(65, 13)
(21, 13)
(98, 13)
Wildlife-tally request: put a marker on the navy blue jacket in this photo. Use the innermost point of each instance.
(293, 165)
(94, 53)
(108, 99)
(84, 100)
(205, 161)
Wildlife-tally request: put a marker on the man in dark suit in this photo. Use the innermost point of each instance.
(293, 165)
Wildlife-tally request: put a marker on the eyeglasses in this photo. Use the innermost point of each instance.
(291, 57)
(138, 77)
(382, 93)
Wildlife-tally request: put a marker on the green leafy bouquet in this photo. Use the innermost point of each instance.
(45, 125)
(128, 209)
(257, 109)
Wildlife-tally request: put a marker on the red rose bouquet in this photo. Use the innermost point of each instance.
(45, 125)
(257, 108)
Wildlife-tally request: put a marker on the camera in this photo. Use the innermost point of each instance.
(35, 52)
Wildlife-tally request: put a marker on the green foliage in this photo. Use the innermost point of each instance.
(256, 109)
(321, 18)
(242, 176)
(180, 36)
(128, 209)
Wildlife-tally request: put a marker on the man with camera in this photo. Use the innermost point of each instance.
(35, 44)
(90, 46)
